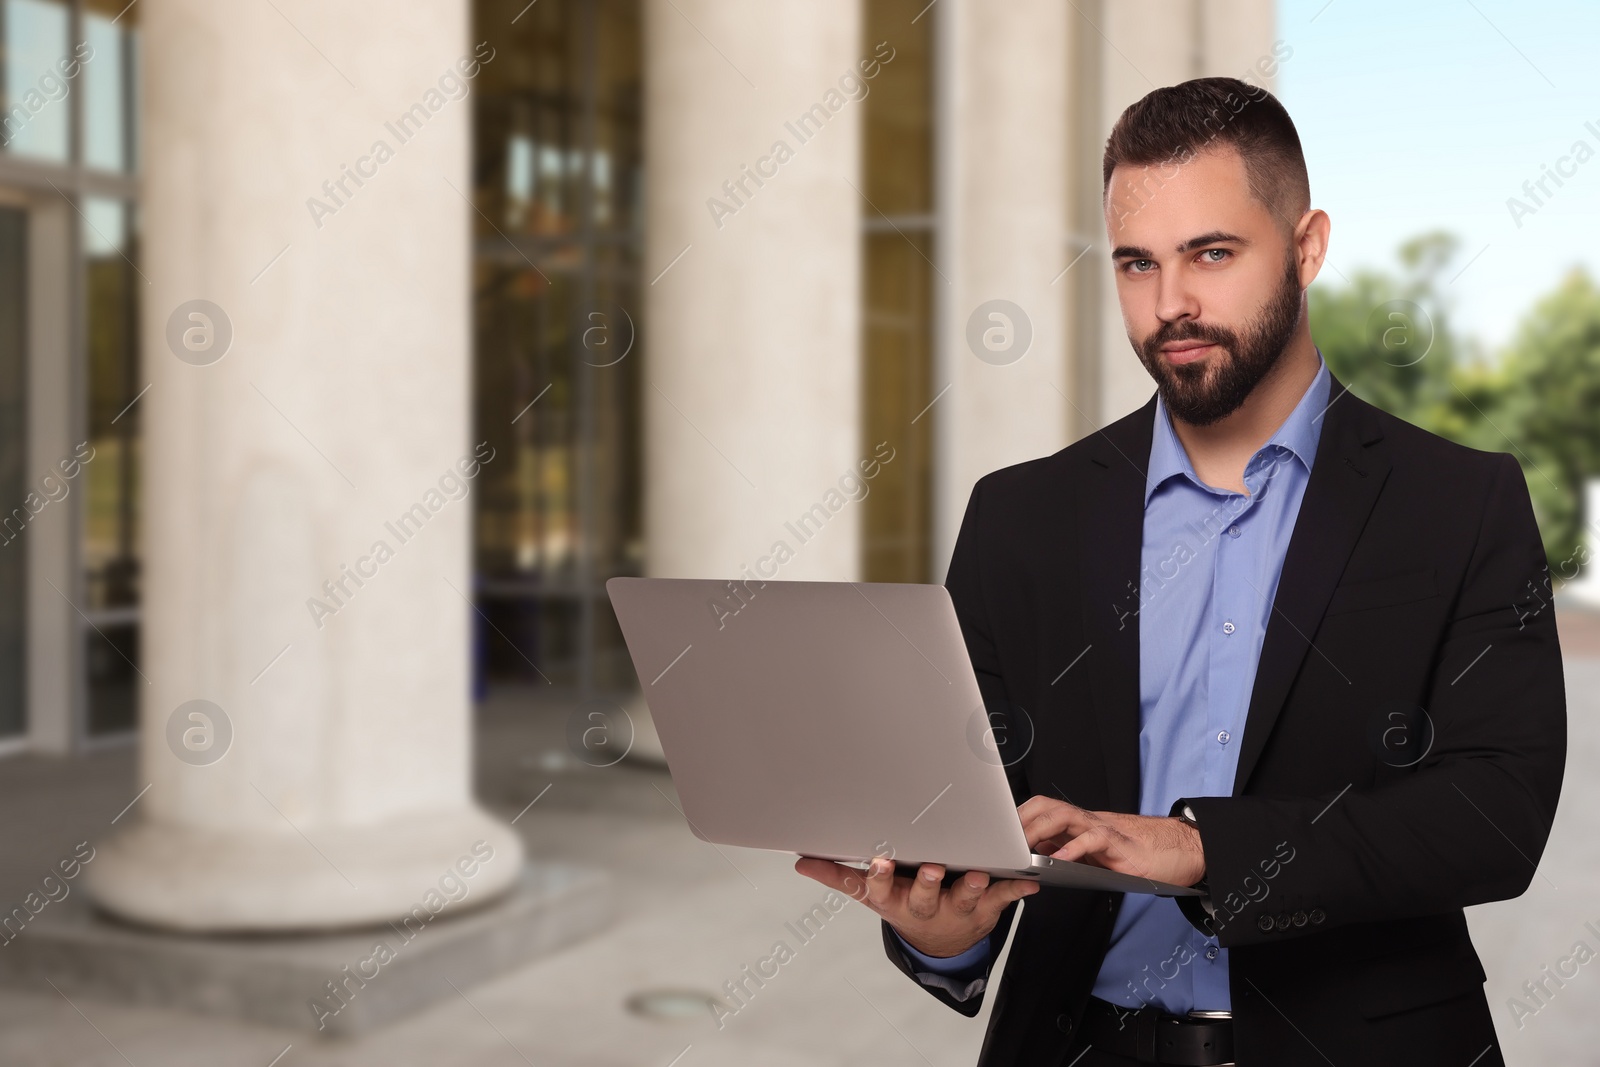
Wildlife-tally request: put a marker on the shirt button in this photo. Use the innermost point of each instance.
(1224, 736)
(1211, 953)
(1228, 627)
(1233, 531)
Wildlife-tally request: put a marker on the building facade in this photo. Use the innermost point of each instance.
(690, 288)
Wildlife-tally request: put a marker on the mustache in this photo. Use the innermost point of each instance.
(1189, 330)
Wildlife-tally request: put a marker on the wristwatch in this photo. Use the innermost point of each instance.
(1186, 814)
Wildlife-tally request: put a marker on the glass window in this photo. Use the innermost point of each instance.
(558, 165)
(67, 62)
(110, 553)
(36, 120)
(897, 346)
(107, 108)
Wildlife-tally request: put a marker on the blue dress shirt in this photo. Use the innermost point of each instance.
(1209, 566)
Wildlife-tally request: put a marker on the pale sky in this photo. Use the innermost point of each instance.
(1430, 114)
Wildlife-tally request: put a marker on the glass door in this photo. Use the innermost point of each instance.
(69, 281)
(558, 165)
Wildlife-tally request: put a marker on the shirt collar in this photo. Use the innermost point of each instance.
(1298, 434)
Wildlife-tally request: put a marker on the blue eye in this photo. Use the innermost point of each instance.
(1221, 252)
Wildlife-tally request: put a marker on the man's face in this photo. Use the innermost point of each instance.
(1208, 280)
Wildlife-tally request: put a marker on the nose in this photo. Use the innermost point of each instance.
(1176, 300)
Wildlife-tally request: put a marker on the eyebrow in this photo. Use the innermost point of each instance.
(1215, 237)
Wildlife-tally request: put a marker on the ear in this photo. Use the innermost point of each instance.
(1311, 244)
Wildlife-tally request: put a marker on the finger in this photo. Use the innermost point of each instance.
(1057, 823)
(1036, 808)
(854, 885)
(922, 900)
(1034, 805)
(1002, 894)
(880, 884)
(967, 891)
(1063, 821)
(833, 875)
(1088, 846)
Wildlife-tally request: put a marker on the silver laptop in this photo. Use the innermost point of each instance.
(840, 720)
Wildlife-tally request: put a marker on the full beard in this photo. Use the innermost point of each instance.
(1202, 392)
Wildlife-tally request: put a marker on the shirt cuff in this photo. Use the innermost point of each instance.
(960, 976)
(969, 960)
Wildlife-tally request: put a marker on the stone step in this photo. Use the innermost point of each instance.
(378, 973)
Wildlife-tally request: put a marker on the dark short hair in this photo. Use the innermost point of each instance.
(1175, 123)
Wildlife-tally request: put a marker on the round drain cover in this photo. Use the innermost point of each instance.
(672, 1004)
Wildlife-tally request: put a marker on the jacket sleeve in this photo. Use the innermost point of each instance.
(1469, 824)
(964, 991)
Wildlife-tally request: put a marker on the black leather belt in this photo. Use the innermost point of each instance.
(1154, 1036)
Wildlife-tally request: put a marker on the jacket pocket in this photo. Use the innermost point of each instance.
(1382, 592)
(1395, 983)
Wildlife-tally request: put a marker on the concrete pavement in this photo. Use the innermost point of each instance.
(696, 915)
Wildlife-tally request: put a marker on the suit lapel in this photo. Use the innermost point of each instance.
(1110, 535)
(1346, 477)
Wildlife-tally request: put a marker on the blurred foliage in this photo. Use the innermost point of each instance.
(1550, 395)
(1388, 336)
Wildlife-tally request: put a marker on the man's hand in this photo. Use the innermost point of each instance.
(1150, 846)
(934, 920)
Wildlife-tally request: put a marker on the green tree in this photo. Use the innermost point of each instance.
(1548, 407)
(1388, 336)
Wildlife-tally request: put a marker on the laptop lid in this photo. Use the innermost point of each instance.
(840, 720)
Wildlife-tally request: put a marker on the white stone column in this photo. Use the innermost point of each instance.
(1240, 39)
(1003, 190)
(751, 406)
(341, 404)
(753, 308)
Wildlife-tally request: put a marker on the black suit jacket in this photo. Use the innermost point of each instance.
(1339, 868)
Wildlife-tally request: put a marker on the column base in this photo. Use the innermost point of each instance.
(207, 880)
(330, 985)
